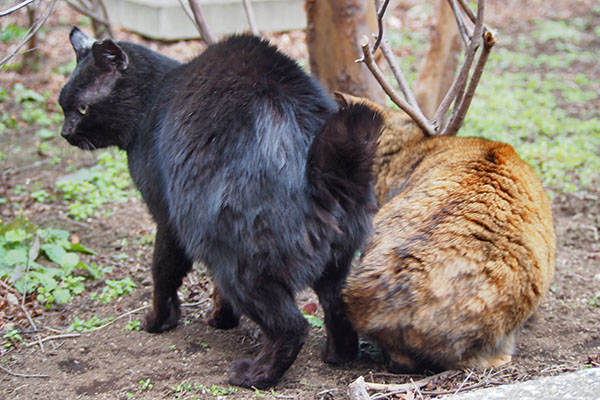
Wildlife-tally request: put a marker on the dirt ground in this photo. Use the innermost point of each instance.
(110, 362)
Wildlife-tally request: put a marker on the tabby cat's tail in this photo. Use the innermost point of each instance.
(340, 160)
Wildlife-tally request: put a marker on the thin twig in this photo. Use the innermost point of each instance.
(456, 91)
(54, 337)
(119, 317)
(401, 388)
(39, 338)
(88, 13)
(370, 63)
(457, 119)
(8, 371)
(251, 19)
(197, 303)
(8, 287)
(30, 33)
(465, 6)
(358, 390)
(463, 382)
(27, 167)
(397, 72)
(380, 13)
(460, 22)
(78, 223)
(201, 24)
(16, 8)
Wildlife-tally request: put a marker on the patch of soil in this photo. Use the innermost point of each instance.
(113, 362)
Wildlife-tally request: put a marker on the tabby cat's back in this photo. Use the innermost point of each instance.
(462, 253)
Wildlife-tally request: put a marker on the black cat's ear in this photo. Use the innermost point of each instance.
(108, 54)
(82, 43)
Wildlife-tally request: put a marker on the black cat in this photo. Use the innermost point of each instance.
(247, 166)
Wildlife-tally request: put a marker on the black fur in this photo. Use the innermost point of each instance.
(246, 165)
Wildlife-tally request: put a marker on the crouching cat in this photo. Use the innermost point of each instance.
(245, 165)
(462, 253)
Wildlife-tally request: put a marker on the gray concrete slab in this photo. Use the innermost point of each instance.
(580, 385)
(167, 20)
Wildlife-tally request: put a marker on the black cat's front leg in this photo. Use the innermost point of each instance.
(169, 265)
(341, 344)
(222, 315)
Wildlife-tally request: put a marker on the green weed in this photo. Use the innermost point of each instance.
(11, 33)
(113, 289)
(313, 320)
(13, 338)
(145, 384)
(80, 325)
(22, 245)
(595, 300)
(88, 189)
(185, 390)
(134, 325)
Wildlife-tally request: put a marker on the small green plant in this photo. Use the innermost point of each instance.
(44, 262)
(11, 32)
(145, 384)
(134, 325)
(113, 289)
(80, 325)
(595, 300)
(13, 338)
(184, 389)
(88, 189)
(313, 320)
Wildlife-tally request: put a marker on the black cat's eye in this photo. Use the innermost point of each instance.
(82, 109)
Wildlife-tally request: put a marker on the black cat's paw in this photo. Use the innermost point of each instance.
(222, 318)
(160, 322)
(346, 350)
(246, 373)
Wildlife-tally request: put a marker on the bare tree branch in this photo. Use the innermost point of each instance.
(8, 371)
(461, 90)
(201, 24)
(380, 13)
(417, 116)
(16, 7)
(458, 119)
(91, 9)
(251, 19)
(39, 22)
(460, 22)
(87, 12)
(397, 72)
(457, 89)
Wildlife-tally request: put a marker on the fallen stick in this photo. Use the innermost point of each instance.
(358, 390)
(8, 371)
(386, 387)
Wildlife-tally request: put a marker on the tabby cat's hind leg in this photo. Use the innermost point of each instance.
(169, 265)
(496, 355)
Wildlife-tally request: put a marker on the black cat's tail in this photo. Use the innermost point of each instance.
(341, 157)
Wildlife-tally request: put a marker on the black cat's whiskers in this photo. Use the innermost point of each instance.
(86, 144)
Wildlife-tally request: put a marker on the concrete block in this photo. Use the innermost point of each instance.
(166, 19)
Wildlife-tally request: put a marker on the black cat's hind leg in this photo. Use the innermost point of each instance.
(169, 265)
(222, 315)
(272, 306)
(341, 344)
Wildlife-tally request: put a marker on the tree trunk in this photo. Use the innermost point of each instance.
(439, 67)
(334, 31)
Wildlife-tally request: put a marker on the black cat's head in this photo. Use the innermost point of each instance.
(91, 99)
